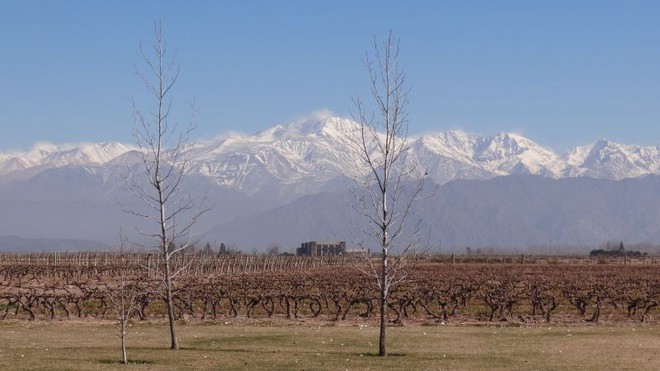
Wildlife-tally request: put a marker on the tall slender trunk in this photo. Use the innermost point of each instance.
(166, 256)
(384, 279)
(170, 305)
(382, 350)
(122, 325)
(124, 356)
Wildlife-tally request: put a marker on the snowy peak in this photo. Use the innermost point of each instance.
(9, 164)
(49, 155)
(500, 146)
(335, 127)
(604, 152)
(451, 143)
(511, 153)
(469, 156)
(87, 154)
(332, 128)
(304, 156)
(606, 159)
(42, 149)
(307, 153)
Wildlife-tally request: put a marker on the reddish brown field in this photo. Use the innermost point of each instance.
(335, 289)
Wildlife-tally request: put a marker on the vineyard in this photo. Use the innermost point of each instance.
(81, 285)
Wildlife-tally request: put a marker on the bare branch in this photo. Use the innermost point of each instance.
(164, 163)
(381, 143)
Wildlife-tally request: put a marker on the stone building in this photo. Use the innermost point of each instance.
(322, 248)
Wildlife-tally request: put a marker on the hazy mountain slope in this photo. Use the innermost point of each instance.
(88, 203)
(502, 213)
(13, 243)
(527, 211)
(324, 216)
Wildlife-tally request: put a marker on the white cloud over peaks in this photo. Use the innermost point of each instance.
(224, 135)
(320, 114)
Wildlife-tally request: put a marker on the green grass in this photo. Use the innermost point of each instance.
(303, 346)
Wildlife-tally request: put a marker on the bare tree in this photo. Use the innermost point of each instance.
(386, 198)
(123, 295)
(273, 249)
(171, 211)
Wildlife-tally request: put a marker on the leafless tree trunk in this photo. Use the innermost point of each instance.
(381, 143)
(123, 296)
(160, 187)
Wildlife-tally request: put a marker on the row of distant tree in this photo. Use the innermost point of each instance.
(611, 250)
(223, 249)
(607, 249)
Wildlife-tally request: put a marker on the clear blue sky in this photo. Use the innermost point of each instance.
(563, 73)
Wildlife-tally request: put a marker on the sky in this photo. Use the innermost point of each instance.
(562, 73)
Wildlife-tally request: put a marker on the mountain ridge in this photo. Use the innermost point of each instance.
(314, 151)
(295, 178)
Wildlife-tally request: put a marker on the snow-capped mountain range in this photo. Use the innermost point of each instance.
(291, 183)
(306, 155)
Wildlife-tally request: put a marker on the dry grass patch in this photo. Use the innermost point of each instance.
(262, 345)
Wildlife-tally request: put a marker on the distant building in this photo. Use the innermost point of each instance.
(321, 248)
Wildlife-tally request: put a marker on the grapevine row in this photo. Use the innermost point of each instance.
(437, 292)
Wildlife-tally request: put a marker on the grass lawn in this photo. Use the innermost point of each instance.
(68, 345)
